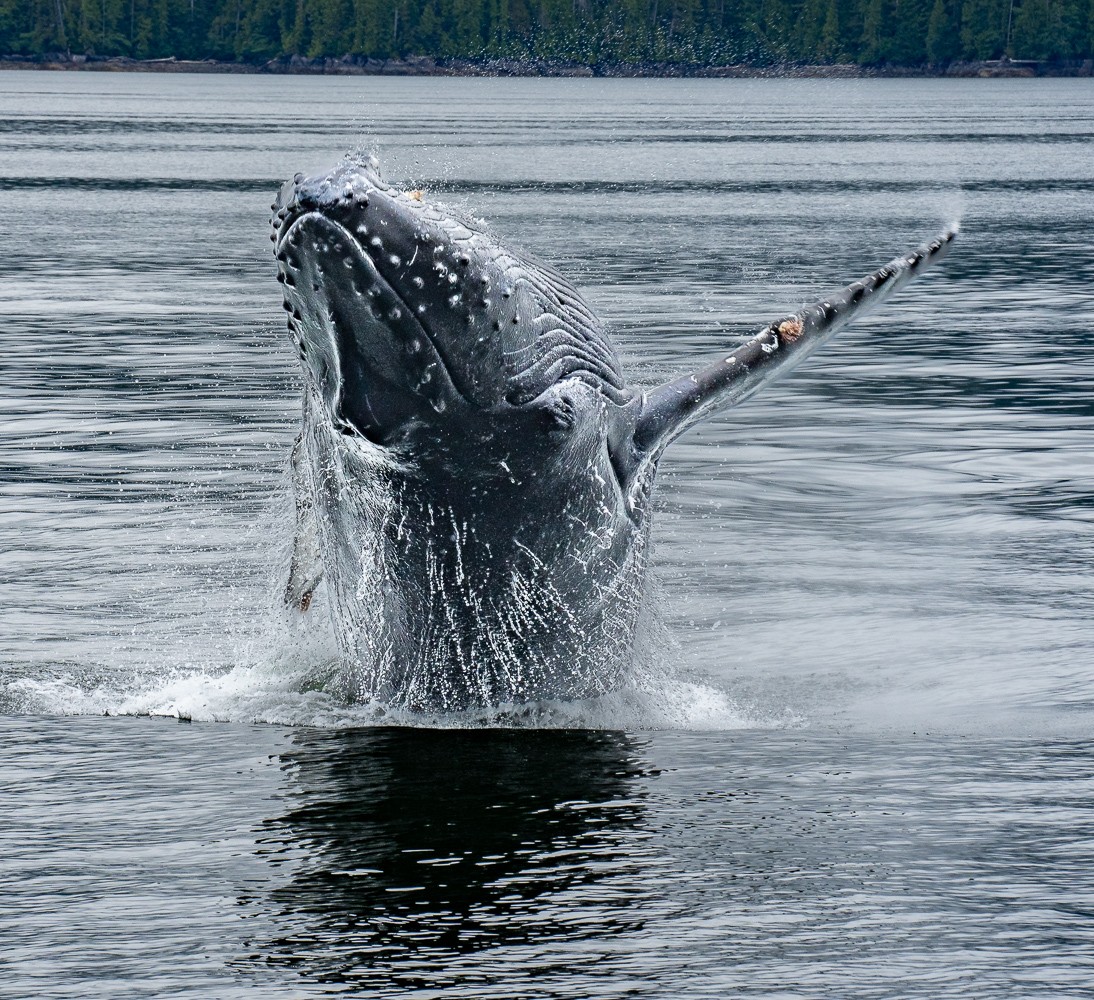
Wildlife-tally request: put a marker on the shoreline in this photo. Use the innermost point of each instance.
(428, 66)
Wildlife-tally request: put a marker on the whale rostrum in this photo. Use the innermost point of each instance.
(473, 474)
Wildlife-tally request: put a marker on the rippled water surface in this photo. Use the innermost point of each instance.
(866, 767)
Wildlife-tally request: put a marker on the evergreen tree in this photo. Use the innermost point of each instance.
(371, 31)
(772, 26)
(984, 28)
(261, 35)
(830, 48)
(1037, 30)
(908, 46)
(807, 32)
(943, 43)
(873, 32)
(875, 36)
(332, 28)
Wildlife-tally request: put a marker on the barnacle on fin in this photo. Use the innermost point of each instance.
(791, 329)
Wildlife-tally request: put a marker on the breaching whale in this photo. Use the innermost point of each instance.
(473, 475)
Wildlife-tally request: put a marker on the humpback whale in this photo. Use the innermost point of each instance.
(473, 474)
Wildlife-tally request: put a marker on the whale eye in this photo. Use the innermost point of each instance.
(557, 416)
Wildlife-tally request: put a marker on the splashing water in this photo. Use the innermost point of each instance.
(290, 673)
(274, 665)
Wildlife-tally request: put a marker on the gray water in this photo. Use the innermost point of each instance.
(862, 766)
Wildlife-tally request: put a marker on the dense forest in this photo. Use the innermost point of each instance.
(590, 32)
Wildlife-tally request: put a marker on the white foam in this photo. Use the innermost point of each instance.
(291, 676)
(258, 662)
(301, 696)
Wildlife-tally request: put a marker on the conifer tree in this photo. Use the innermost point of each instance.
(943, 44)
(875, 35)
(870, 32)
(830, 48)
(984, 28)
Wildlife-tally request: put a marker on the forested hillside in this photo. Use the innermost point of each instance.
(592, 32)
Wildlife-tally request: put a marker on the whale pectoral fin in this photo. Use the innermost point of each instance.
(307, 568)
(670, 410)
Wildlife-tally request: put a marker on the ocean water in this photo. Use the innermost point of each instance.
(860, 763)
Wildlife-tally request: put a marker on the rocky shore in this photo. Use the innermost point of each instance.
(428, 66)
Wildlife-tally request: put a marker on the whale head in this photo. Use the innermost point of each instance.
(415, 327)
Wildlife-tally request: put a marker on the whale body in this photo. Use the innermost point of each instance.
(473, 475)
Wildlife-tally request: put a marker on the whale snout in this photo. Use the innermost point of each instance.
(342, 186)
(342, 194)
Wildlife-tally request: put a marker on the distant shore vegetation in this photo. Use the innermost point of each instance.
(696, 33)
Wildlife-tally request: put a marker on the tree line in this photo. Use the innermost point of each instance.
(590, 32)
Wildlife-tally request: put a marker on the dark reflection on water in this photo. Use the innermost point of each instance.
(402, 847)
(538, 864)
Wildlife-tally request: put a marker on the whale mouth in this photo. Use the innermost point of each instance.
(372, 362)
